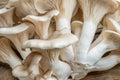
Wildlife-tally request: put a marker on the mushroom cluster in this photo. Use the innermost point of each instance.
(59, 39)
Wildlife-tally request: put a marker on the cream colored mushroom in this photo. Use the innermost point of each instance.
(17, 35)
(52, 48)
(91, 9)
(63, 19)
(110, 42)
(111, 24)
(29, 68)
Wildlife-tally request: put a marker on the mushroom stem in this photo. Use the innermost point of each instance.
(62, 23)
(84, 43)
(97, 52)
(62, 70)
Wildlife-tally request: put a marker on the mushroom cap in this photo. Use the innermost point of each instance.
(57, 41)
(115, 15)
(28, 65)
(6, 16)
(112, 38)
(24, 8)
(91, 8)
(76, 27)
(13, 30)
(113, 3)
(113, 25)
(46, 5)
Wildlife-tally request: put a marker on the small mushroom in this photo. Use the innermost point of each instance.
(110, 42)
(111, 24)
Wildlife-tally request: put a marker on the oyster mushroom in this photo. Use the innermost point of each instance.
(91, 9)
(51, 50)
(110, 42)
